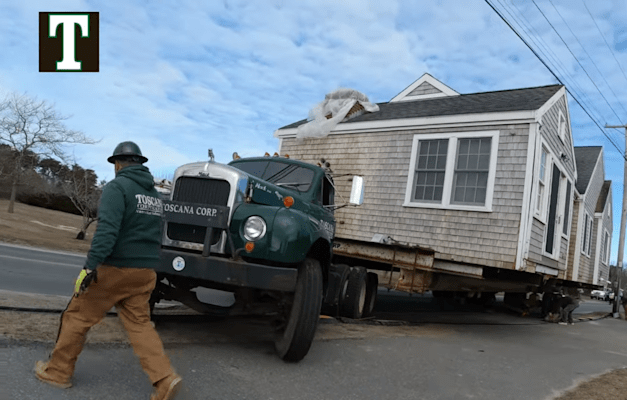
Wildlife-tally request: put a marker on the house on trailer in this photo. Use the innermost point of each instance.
(591, 231)
(486, 180)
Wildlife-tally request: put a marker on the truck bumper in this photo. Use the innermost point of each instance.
(227, 271)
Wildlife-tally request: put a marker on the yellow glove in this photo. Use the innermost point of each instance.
(83, 280)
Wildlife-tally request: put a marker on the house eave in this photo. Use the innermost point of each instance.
(509, 117)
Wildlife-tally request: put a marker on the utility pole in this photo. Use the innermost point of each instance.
(621, 238)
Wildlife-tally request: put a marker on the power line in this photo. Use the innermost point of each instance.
(556, 77)
(590, 57)
(577, 59)
(603, 36)
(531, 32)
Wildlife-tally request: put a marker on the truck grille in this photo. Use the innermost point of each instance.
(198, 190)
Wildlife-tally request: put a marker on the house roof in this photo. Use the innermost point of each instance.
(586, 158)
(605, 191)
(474, 103)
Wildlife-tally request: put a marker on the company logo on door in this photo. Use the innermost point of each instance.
(69, 42)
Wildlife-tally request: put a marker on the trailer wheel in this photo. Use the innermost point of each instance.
(372, 286)
(295, 337)
(336, 290)
(353, 304)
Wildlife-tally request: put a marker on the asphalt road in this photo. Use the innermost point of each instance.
(444, 362)
(30, 270)
(447, 353)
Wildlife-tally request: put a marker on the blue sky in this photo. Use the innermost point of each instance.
(179, 77)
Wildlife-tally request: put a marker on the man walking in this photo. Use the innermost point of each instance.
(118, 273)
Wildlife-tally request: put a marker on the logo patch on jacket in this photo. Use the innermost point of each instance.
(148, 205)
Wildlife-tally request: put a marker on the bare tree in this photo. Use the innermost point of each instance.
(80, 186)
(31, 126)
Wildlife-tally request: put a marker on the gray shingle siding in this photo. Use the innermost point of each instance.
(383, 159)
(586, 161)
(423, 89)
(549, 134)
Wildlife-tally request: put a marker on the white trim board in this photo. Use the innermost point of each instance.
(509, 118)
(445, 91)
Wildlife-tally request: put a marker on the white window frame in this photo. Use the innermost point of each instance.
(453, 140)
(587, 234)
(543, 184)
(561, 126)
(557, 233)
(566, 219)
(608, 241)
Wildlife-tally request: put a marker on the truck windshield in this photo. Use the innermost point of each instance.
(281, 174)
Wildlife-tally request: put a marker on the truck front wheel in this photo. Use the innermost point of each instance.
(301, 320)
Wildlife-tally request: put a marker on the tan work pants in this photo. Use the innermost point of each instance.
(128, 289)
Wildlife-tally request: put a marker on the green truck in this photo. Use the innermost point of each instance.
(261, 228)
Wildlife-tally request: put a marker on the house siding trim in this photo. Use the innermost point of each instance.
(524, 234)
(579, 203)
(461, 120)
(597, 250)
(405, 94)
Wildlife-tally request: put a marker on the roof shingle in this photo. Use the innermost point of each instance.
(586, 158)
(474, 103)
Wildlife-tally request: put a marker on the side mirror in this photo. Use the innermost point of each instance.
(357, 191)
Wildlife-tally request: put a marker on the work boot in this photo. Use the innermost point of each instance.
(167, 387)
(42, 375)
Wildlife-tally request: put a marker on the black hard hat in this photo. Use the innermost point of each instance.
(127, 150)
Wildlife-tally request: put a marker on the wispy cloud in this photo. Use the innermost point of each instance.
(180, 77)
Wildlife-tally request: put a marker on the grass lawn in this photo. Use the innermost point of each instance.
(39, 227)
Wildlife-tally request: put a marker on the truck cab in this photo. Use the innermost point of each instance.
(260, 227)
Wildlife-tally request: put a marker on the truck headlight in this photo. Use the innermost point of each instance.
(254, 228)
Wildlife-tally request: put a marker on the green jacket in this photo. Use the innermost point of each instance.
(129, 222)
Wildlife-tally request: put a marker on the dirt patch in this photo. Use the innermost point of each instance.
(39, 227)
(43, 327)
(609, 386)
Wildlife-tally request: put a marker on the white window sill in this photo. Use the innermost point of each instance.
(540, 219)
(457, 207)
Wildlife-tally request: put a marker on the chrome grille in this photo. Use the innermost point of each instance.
(198, 190)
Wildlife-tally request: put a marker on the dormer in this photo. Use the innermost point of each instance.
(426, 87)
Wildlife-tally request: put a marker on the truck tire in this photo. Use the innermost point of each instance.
(353, 304)
(336, 290)
(372, 286)
(294, 340)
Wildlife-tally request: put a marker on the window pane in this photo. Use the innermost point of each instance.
(471, 173)
(459, 195)
(431, 162)
(464, 145)
(430, 170)
(486, 144)
(424, 148)
(484, 161)
(470, 195)
(422, 162)
(429, 193)
(437, 193)
(441, 164)
(420, 193)
(462, 162)
(480, 195)
(439, 180)
(482, 180)
(473, 162)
